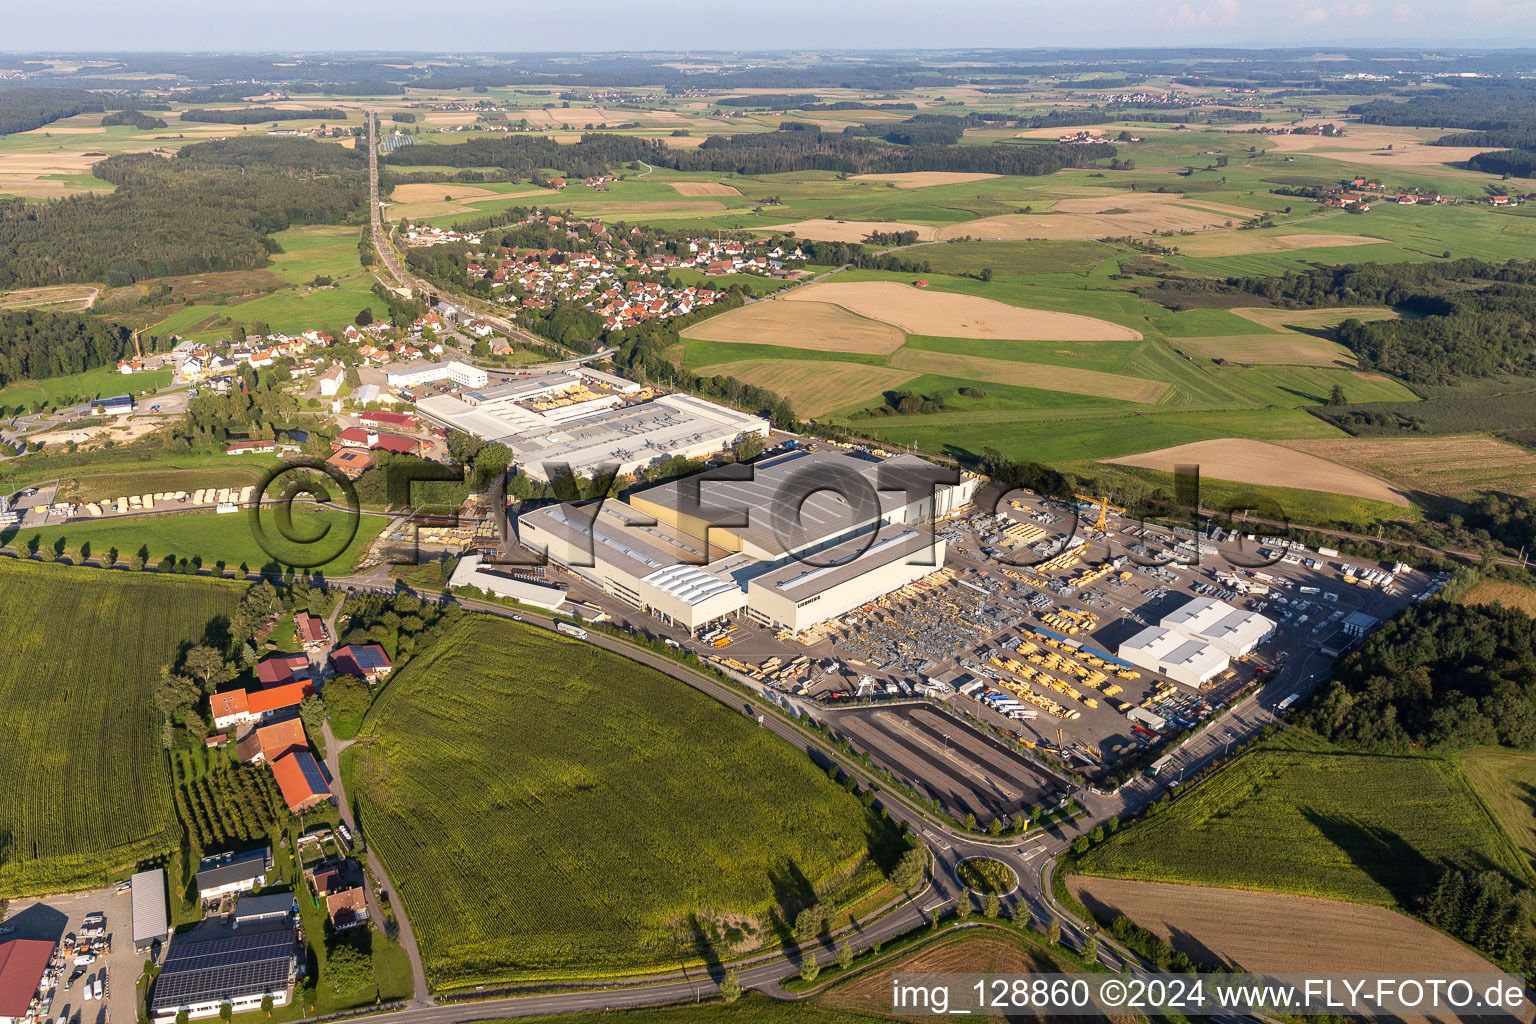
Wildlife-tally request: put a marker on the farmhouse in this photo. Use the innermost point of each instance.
(22, 962)
(238, 707)
(302, 783)
(281, 669)
(352, 462)
(357, 437)
(309, 631)
(226, 873)
(151, 924)
(365, 660)
(268, 743)
(216, 963)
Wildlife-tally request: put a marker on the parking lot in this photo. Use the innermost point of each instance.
(56, 917)
(942, 757)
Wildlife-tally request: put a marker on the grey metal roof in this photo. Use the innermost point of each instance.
(255, 908)
(242, 867)
(150, 918)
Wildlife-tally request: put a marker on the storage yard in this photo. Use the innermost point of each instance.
(1062, 628)
(943, 758)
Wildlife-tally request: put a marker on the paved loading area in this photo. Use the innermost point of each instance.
(965, 770)
(57, 916)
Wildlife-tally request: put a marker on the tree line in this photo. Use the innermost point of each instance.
(763, 153)
(213, 207)
(261, 115)
(22, 110)
(136, 118)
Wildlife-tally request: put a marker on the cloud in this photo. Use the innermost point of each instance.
(1402, 11)
(1316, 15)
(1212, 12)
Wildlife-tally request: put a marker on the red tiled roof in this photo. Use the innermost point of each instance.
(22, 962)
(298, 776)
(280, 669)
(231, 702)
(278, 697)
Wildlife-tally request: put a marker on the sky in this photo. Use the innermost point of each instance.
(527, 25)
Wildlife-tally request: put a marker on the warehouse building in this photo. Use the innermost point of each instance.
(597, 432)
(805, 501)
(503, 581)
(216, 964)
(22, 962)
(841, 552)
(462, 374)
(151, 924)
(1229, 630)
(800, 595)
(1170, 653)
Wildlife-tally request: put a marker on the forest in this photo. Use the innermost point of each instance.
(137, 118)
(764, 153)
(206, 211)
(261, 115)
(1475, 105)
(36, 344)
(22, 110)
(1438, 675)
(1472, 318)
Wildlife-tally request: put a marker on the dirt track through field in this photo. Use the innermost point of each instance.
(1278, 932)
(1046, 377)
(817, 326)
(1259, 462)
(951, 315)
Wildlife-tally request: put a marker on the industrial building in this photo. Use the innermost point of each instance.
(217, 963)
(839, 579)
(151, 923)
(1172, 654)
(554, 420)
(504, 581)
(462, 374)
(786, 571)
(1229, 630)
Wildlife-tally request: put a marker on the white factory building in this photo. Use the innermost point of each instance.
(1230, 630)
(652, 552)
(413, 374)
(586, 420)
(1172, 654)
(839, 579)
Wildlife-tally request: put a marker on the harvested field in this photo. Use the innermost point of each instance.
(1277, 932)
(923, 179)
(815, 387)
(1242, 243)
(1044, 376)
(1291, 349)
(817, 326)
(1141, 213)
(430, 192)
(1510, 595)
(646, 208)
(704, 188)
(1458, 467)
(851, 230)
(1260, 462)
(59, 296)
(948, 315)
(1292, 319)
(979, 954)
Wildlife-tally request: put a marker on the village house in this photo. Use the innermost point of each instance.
(367, 661)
